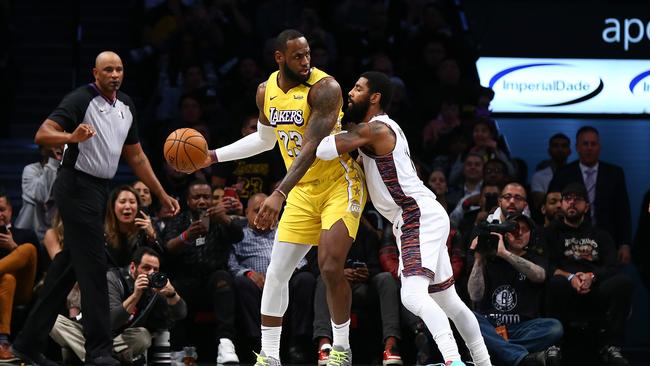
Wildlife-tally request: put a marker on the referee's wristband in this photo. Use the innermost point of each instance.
(570, 277)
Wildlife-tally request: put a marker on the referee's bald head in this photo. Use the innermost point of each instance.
(106, 56)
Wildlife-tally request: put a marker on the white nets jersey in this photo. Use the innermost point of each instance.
(420, 223)
(392, 180)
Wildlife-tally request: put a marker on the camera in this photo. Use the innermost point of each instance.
(157, 280)
(487, 243)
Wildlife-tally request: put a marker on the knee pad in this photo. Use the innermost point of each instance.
(414, 301)
(284, 259)
(275, 295)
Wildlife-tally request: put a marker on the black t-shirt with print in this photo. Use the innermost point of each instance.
(510, 297)
(581, 249)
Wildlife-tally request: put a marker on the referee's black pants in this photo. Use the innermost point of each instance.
(81, 199)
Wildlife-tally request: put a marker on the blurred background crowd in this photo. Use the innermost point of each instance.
(197, 64)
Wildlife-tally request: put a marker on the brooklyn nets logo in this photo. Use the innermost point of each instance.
(504, 298)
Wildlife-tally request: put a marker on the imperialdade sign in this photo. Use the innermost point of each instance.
(537, 85)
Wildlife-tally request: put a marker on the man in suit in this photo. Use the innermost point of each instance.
(606, 188)
(17, 272)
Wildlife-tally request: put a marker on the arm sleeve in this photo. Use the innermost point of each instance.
(326, 150)
(262, 140)
(72, 109)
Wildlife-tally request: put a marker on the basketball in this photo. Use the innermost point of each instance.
(185, 149)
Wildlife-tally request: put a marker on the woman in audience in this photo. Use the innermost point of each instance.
(485, 137)
(437, 183)
(145, 197)
(127, 227)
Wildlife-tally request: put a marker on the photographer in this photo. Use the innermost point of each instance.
(507, 285)
(511, 202)
(140, 303)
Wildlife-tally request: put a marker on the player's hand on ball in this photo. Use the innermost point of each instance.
(207, 162)
(82, 133)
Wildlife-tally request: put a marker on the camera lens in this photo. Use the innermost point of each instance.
(157, 280)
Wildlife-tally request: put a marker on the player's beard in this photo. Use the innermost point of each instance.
(356, 112)
(289, 74)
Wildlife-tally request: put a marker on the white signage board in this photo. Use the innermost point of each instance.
(544, 85)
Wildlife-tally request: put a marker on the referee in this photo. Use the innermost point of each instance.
(98, 124)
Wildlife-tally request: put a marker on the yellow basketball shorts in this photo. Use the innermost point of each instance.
(315, 206)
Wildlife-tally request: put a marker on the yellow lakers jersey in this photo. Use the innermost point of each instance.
(289, 114)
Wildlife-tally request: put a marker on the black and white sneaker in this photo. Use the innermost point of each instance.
(611, 356)
(553, 356)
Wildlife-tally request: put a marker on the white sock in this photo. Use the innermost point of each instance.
(271, 341)
(447, 346)
(341, 334)
(479, 353)
(466, 324)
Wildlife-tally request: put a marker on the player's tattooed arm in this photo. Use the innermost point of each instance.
(476, 281)
(534, 272)
(374, 136)
(325, 100)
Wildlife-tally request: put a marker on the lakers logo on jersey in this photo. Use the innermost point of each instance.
(288, 111)
(284, 117)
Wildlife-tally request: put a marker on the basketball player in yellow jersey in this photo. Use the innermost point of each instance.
(299, 106)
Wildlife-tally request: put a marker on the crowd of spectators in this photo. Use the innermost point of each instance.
(198, 65)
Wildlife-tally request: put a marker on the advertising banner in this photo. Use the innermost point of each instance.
(565, 85)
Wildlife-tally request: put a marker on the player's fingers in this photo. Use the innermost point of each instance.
(177, 207)
(258, 219)
(268, 220)
(262, 222)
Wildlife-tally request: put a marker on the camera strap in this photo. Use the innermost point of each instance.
(128, 287)
(145, 311)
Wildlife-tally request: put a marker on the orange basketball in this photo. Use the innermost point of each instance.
(185, 149)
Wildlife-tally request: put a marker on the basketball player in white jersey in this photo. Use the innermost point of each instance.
(420, 223)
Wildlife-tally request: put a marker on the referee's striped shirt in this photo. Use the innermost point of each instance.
(113, 120)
